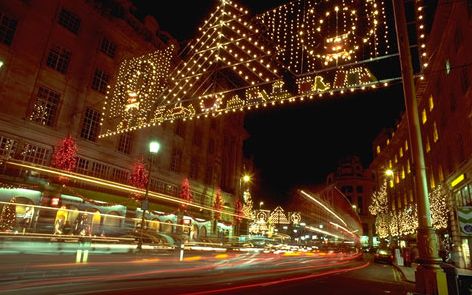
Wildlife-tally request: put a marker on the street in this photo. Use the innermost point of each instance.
(199, 272)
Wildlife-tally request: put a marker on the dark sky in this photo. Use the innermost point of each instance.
(297, 144)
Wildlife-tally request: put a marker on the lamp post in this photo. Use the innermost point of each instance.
(430, 278)
(153, 150)
(245, 179)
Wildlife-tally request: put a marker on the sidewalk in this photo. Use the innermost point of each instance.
(462, 283)
(408, 272)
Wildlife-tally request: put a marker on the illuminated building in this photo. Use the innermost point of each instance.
(445, 113)
(59, 59)
(356, 183)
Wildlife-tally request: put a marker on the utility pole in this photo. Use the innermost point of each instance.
(430, 278)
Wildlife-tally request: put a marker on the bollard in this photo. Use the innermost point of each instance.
(181, 252)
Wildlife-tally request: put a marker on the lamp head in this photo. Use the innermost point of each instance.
(246, 178)
(154, 147)
(389, 172)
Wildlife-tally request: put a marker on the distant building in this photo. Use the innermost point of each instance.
(58, 57)
(357, 185)
(445, 114)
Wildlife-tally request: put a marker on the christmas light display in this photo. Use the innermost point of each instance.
(217, 205)
(314, 34)
(248, 209)
(234, 63)
(278, 216)
(129, 103)
(439, 210)
(382, 222)
(138, 178)
(421, 34)
(65, 154)
(185, 194)
(379, 204)
(8, 216)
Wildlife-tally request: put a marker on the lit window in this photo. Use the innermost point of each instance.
(406, 145)
(378, 149)
(435, 132)
(424, 118)
(432, 183)
(428, 146)
(447, 66)
(401, 152)
(388, 141)
(408, 168)
(431, 103)
(403, 173)
(390, 164)
(45, 107)
(440, 174)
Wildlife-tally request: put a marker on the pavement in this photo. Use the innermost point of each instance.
(461, 285)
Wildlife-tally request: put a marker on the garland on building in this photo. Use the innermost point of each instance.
(379, 201)
(437, 199)
(185, 194)
(218, 204)
(8, 216)
(139, 178)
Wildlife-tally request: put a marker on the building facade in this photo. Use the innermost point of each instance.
(58, 60)
(445, 113)
(357, 185)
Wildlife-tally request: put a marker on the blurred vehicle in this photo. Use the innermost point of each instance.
(383, 255)
(239, 246)
(154, 241)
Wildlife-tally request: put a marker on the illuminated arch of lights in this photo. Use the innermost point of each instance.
(236, 61)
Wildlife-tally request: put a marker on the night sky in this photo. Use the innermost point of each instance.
(300, 143)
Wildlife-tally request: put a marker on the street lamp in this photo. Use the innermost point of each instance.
(430, 278)
(260, 204)
(153, 150)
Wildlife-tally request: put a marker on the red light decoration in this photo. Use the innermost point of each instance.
(185, 193)
(65, 154)
(218, 205)
(139, 177)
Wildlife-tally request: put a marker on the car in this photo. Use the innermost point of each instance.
(383, 255)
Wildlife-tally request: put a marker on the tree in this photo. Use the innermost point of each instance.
(439, 211)
(139, 178)
(248, 209)
(65, 154)
(8, 216)
(218, 205)
(185, 194)
(379, 203)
